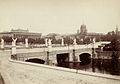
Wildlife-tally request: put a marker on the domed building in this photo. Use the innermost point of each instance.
(82, 33)
(83, 29)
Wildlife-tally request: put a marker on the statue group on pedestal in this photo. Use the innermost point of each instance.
(26, 42)
(14, 42)
(62, 43)
(48, 42)
(2, 43)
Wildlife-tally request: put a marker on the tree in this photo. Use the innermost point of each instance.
(115, 43)
(7, 39)
(32, 41)
(68, 40)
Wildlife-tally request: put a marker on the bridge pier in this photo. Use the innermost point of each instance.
(70, 57)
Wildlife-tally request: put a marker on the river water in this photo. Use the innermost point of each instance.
(104, 66)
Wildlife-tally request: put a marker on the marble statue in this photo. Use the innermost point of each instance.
(62, 43)
(26, 42)
(2, 43)
(14, 42)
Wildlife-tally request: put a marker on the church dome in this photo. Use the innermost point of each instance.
(83, 26)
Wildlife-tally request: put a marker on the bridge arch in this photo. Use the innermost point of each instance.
(36, 60)
(62, 58)
(85, 58)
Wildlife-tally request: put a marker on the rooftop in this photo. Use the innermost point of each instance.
(19, 30)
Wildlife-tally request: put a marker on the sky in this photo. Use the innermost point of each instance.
(59, 16)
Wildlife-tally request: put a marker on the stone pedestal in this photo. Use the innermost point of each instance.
(94, 54)
(13, 50)
(70, 57)
(49, 49)
(13, 53)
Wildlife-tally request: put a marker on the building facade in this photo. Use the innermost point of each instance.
(82, 33)
(20, 33)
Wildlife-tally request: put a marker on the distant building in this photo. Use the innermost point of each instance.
(54, 36)
(82, 33)
(114, 32)
(82, 30)
(20, 33)
(117, 31)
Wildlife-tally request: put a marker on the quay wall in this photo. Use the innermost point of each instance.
(19, 72)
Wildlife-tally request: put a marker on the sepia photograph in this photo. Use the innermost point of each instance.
(59, 41)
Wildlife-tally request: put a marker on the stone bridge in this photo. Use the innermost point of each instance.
(55, 55)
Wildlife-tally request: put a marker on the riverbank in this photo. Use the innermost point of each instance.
(19, 72)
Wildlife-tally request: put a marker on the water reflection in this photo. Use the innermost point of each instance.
(105, 66)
